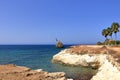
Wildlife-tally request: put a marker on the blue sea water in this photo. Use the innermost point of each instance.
(39, 57)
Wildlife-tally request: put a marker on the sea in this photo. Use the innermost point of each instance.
(39, 57)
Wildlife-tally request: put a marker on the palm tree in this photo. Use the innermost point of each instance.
(105, 33)
(115, 27)
(110, 32)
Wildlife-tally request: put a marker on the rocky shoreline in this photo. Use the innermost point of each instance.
(13, 72)
(104, 58)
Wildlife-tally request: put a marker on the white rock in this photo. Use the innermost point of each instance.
(69, 79)
(39, 70)
(106, 71)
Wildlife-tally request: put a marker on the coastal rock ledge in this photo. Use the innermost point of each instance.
(13, 72)
(104, 58)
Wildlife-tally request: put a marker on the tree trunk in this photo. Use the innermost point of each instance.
(105, 41)
(115, 39)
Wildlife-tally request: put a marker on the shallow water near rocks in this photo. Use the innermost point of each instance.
(39, 57)
(76, 72)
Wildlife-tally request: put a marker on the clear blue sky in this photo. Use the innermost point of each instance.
(42, 21)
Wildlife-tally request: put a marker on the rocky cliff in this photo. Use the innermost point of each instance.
(104, 58)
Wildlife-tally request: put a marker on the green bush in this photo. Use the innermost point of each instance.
(99, 43)
(109, 42)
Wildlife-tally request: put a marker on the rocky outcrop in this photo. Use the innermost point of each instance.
(13, 72)
(107, 71)
(87, 60)
(100, 57)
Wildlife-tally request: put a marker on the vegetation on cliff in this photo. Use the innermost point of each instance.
(108, 32)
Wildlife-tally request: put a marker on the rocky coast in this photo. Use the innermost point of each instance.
(13, 72)
(106, 59)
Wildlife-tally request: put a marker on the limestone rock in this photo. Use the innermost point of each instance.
(76, 60)
(105, 59)
(13, 72)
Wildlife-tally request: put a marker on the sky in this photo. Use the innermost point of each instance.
(42, 21)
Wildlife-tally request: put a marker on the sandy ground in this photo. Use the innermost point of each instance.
(97, 49)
